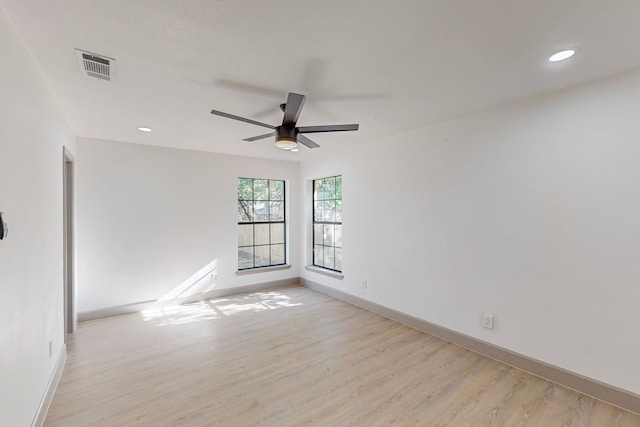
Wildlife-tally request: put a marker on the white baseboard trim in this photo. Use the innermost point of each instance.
(605, 392)
(40, 416)
(217, 293)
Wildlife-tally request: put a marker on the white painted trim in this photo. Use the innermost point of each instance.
(606, 392)
(263, 269)
(217, 293)
(324, 272)
(69, 242)
(47, 398)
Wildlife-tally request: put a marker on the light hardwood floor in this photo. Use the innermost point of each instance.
(295, 357)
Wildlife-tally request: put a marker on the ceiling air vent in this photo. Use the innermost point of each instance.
(100, 67)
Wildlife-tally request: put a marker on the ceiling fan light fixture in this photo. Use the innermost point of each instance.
(286, 143)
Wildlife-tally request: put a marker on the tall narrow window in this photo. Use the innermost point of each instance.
(327, 223)
(261, 223)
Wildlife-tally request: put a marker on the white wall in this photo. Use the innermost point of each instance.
(149, 218)
(530, 212)
(32, 134)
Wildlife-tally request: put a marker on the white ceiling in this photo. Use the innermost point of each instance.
(390, 65)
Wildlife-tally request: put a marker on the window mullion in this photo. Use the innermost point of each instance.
(326, 197)
(264, 196)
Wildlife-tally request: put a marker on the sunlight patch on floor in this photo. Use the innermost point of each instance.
(217, 308)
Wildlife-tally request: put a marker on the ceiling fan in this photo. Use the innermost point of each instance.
(288, 135)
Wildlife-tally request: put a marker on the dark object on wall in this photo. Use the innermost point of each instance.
(288, 135)
(3, 227)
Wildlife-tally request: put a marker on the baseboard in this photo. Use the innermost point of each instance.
(137, 307)
(117, 310)
(606, 392)
(38, 420)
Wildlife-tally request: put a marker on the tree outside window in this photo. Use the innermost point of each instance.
(261, 223)
(327, 223)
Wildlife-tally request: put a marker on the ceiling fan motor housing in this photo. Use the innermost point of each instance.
(288, 133)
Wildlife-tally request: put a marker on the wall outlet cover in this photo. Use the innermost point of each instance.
(487, 321)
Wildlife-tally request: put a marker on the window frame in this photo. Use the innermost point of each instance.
(253, 223)
(323, 223)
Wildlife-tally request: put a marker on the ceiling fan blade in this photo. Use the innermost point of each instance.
(306, 141)
(242, 119)
(292, 109)
(250, 88)
(255, 138)
(327, 128)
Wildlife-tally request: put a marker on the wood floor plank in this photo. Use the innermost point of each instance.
(294, 357)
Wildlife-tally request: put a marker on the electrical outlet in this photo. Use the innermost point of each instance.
(364, 284)
(487, 321)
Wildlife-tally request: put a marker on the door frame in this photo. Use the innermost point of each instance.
(69, 217)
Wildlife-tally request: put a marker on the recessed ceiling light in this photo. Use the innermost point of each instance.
(562, 55)
(144, 129)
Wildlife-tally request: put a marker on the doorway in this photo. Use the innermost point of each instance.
(68, 184)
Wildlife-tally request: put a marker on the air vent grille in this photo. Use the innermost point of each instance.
(94, 65)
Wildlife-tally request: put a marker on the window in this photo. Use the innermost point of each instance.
(261, 223)
(327, 223)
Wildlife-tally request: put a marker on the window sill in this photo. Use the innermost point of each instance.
(262, 269)
(324, 271)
